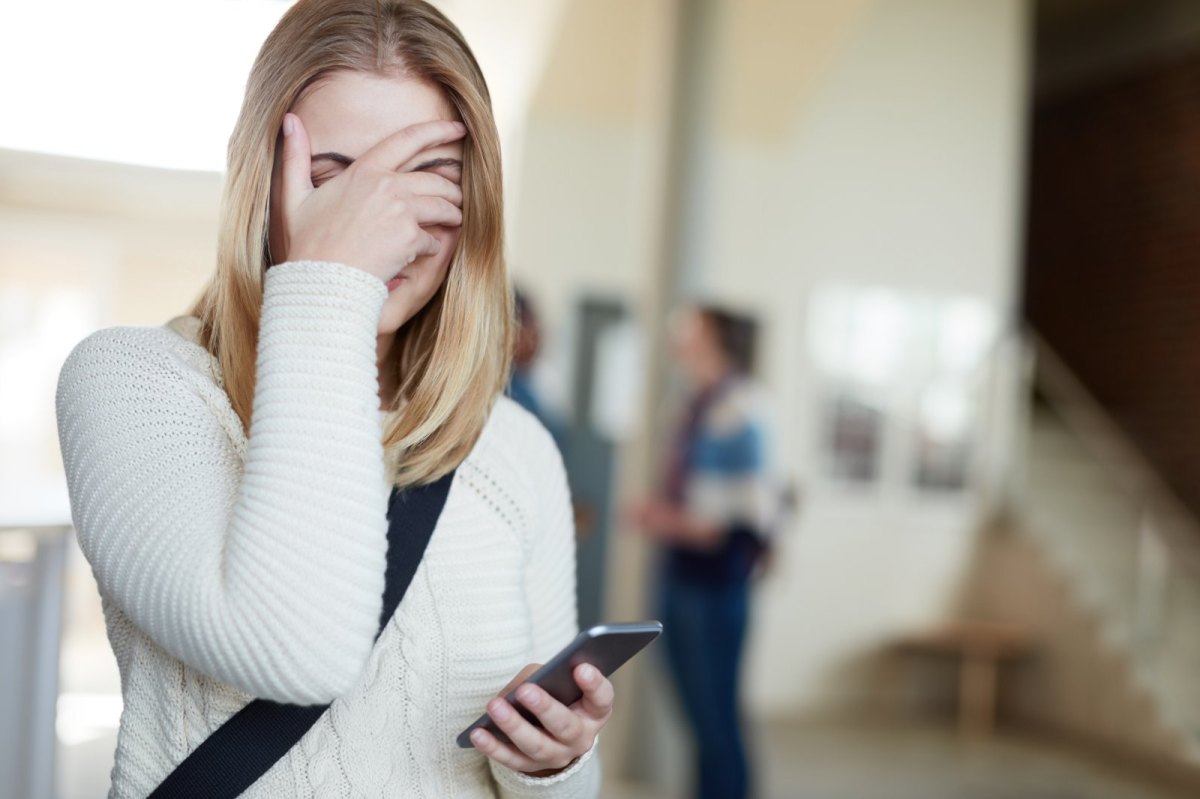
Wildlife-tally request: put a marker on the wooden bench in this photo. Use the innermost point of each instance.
(981, 647)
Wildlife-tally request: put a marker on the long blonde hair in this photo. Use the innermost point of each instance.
(453, 356)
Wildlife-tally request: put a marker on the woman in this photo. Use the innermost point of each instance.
(230, 471)
(712, 518)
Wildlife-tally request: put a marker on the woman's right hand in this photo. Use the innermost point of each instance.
(371, 216)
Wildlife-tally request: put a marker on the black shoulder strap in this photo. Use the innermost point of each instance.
(243, 748)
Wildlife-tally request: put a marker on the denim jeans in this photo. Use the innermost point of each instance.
(704, 626)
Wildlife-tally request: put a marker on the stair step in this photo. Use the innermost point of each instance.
(1087, 518)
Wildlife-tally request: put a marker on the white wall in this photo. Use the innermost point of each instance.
(83, 245)
(902, 168)
(872, 142)
(590, 187)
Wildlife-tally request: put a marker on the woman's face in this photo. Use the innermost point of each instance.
(692, 342)
(347, 114)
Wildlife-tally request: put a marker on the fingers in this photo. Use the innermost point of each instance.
(430, 184)
(296, 171)
(535, 744)
(565, 732)
(556, 718)
(503, 754)
(598, 694)
(399, 148)
(427, 244)
(435, 211)
(430, 212)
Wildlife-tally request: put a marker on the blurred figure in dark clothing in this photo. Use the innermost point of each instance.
(520, 387)
(712, 517)
(520, 383)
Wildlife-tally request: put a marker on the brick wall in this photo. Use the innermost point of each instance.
(1113, 252)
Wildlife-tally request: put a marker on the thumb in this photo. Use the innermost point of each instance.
(297, 164)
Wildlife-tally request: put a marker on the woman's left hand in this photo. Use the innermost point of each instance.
(566, 732)
(668, 523)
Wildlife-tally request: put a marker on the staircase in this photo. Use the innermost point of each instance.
(1103, 564)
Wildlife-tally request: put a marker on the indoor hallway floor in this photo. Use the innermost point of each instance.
(844, 761)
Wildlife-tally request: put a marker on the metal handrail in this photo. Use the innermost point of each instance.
(1099, 433)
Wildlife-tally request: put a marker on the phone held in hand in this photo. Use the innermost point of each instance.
(605, 646)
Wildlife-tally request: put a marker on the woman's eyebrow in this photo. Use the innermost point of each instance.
(436, 162)
(336, 157)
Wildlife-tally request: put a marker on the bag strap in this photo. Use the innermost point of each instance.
(245, 747)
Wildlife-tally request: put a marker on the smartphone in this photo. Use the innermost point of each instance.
(605, 646)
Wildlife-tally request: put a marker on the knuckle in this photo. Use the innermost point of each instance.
(385, 187)
(537, 749)
(407, 232)
(388, 186)
(401, 138)
(570, 729)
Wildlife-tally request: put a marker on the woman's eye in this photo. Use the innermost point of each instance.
(449, 169)
(324, 177)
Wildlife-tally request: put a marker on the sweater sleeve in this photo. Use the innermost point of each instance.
(268, 577)
(550, 592)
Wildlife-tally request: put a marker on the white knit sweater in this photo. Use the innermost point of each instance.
(234, 567)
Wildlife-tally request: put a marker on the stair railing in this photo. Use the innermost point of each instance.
(1167, 558)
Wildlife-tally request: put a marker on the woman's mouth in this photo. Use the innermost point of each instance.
(396, 281)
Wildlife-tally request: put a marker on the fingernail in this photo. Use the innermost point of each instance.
(477, 736)
(529, 696)
(288, 125)
(499, 711)
(589, 673)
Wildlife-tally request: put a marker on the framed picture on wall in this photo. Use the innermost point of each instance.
(900, 377)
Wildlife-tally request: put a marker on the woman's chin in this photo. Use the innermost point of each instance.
(388, 327)
(396, 313)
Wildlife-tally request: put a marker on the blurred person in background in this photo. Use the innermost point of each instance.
(526, 348)
(237, 474)
(712, 518)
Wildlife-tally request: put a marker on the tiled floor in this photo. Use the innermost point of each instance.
(838, 762)
(862, 762)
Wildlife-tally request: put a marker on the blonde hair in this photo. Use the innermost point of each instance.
(453, 356)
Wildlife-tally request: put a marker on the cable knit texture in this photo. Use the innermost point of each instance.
(233, 567)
